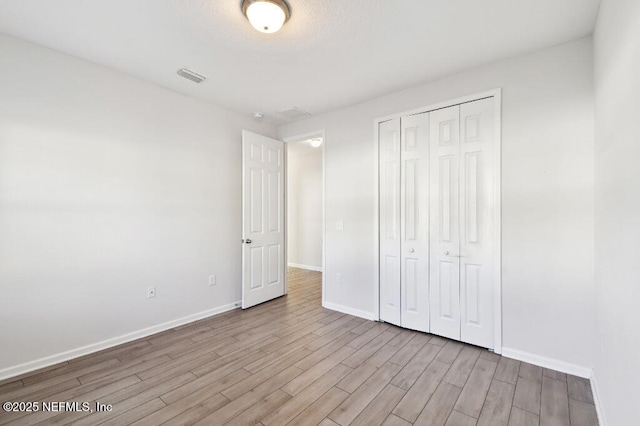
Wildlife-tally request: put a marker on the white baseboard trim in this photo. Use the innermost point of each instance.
(350, 311)
(37, 364)
(301, 266)
(553, 364)
(602, 421)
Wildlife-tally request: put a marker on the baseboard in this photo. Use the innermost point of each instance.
(301, 266)
(350, 311)
(550, 363)
(602, 421)
(30, 366)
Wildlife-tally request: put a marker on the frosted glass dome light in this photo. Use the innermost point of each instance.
(266, 16)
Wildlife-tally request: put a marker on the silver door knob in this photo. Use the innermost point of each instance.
(411, 250)
(247, 241)
(446, 252)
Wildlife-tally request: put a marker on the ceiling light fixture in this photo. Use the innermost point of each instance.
(266, 16)
(315, 142)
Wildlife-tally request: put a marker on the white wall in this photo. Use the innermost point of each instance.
(304, 205)
(108, 185)
(547, 196)
(617, 218)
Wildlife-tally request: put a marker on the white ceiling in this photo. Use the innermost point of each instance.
(330, 54)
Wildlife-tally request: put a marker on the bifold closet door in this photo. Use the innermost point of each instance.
(444, 288)
(404, 221)
(414, 222)
(462, 203)
(389, 184)
(478, 202)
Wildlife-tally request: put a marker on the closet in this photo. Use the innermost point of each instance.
(439, 221)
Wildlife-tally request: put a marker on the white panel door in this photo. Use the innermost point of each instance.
(477, 204)
(414, 223)
(444, 276)
(263, 273)
(389, 184)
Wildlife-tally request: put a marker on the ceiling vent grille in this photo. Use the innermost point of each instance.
(191, 75)
(293, 113)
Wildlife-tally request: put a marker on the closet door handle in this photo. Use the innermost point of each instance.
(411, 250)
(446, 252)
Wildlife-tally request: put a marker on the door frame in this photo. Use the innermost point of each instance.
(287, 141)
(497, 219)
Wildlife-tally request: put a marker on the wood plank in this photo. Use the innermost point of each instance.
(579, 389)
(530, 371)
(475, 390)
(314, 373)
(136, 413)
(366, 351)
(288, 411)
(414, 368)
(528, 395)
(409, 350)
(346, 412)
(507, 371)
(582, 413)
(321, 408)
(238, 405)
(254, 380)
(393, 420)
(195, 413)
(552, 374)
(262, 408)
(462, 366)
(377, 411)
(456, 418)
(416, 398)
(497, 406)
(521, 417)
(196, 400)
(449, 352)
(440, 405)
(554, 409)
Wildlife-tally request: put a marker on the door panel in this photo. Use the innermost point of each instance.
(262, 219)
(476, 212)
(414, 226)
(444, 291)
(389, 172)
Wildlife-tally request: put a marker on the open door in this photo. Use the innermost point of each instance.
(263, 272)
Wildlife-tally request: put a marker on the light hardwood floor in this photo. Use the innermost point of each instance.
(291, 362)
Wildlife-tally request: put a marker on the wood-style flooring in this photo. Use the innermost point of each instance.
(291, 362)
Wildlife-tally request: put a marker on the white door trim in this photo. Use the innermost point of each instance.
(497, 219)
(299, 138)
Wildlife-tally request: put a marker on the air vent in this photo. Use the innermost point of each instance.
(293, 113)
(191, 75)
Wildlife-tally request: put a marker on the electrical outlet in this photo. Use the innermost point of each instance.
(212, 280)
(151, 292)
(339, 278)
(339, 225)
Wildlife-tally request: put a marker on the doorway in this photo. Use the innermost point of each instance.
(305, 205)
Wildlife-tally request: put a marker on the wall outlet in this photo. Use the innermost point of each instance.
(212, 280)
(339, 278)
(151, 292)
(339, 225)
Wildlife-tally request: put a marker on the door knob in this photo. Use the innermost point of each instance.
(247, 241)
(411, 250)
(446, 252)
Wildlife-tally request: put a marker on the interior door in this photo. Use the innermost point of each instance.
(444, 287)
(477, 209)
(389, 175)
(414, 223)
(263, 269)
